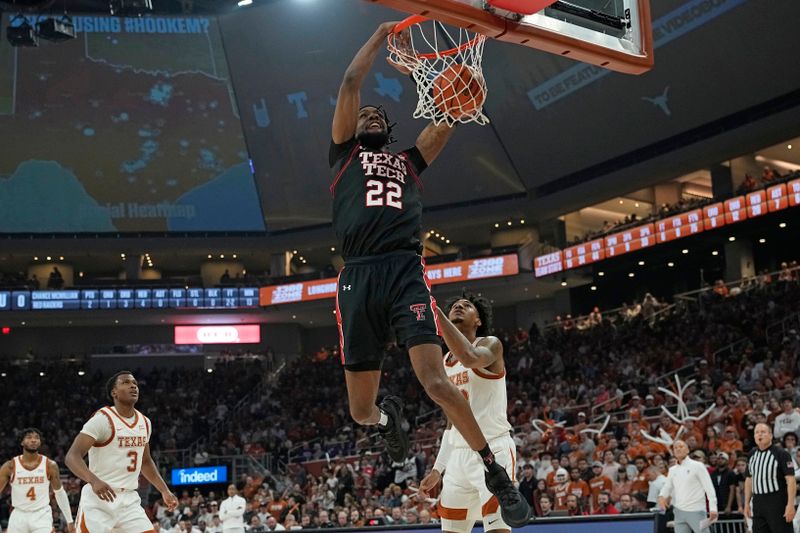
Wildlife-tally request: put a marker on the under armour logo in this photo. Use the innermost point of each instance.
(660, 101)
(419, 309)
(346, 287)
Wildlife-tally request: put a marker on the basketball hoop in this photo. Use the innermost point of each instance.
(445, 64)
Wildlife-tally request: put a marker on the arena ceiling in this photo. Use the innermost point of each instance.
(540, 157)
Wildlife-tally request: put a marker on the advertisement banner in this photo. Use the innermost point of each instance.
(221, 334)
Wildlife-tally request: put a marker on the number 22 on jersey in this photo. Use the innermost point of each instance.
(379, 194)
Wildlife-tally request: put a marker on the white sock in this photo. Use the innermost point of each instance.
(384, 420)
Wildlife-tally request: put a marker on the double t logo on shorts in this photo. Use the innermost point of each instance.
(419, 310)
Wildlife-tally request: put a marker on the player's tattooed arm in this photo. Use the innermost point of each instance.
(488, 353)
(432, 140)
(345, 117)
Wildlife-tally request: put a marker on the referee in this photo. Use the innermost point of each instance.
(770, 482)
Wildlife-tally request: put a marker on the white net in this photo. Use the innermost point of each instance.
(445, 64)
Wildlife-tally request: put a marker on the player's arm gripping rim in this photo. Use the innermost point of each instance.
(54, 475)
(151, 474)
(74, 461)
(488, 353)
(345, 117)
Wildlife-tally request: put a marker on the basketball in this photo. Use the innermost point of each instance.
(459, 91)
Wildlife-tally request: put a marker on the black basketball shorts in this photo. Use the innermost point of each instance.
(377, 295)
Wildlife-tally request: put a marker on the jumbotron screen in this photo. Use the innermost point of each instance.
(130, 127)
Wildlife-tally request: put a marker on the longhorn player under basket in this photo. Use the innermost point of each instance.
(475, 365)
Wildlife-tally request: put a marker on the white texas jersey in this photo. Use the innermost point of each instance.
(116, 456)
(30, 488)
(486, 394)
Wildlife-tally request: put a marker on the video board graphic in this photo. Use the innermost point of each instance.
(130, 127)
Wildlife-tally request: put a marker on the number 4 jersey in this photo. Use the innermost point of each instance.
(30, 488)
(116, 456)
(377, 206)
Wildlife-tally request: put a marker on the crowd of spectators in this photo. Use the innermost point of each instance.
(333, 472)
(629, 221)
(769, 176)
(59, 397)
(336, 475)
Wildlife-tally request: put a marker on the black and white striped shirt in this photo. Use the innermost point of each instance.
(769, 469)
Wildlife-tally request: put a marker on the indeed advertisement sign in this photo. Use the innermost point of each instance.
(200, 475)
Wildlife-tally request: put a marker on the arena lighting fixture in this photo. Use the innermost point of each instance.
(509, 222)
(130, 8)
(333, 248)
(714, 252)
(684, 251)
(631, 274)
(81, 373)
(789, 146)
(41, 374)
(782, 225)
(496, 225)
(447, 241)
(36, 258)
(234, 256)
(564, 282)
(670, 264)
(522, 221)
(641, 263)
(621, 202)
(762, 240)
(49, 258)
(243, 3)
(56, 30)
(601, 273)
(731, 238)
(593, 288)
(60, 257)
(21, 34)
(210, 370)
(209, 256)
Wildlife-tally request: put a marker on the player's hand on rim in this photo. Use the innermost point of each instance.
(170, 500)
(103, 490)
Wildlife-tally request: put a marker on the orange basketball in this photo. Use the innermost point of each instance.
(459, 91)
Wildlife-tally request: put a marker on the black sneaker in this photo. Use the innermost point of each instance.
(513, 508)
(393, 435)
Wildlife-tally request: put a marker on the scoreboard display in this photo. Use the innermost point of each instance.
(76, 299)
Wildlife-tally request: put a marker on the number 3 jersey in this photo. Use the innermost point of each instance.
(30, 488)
(116, 456)
(376, 199)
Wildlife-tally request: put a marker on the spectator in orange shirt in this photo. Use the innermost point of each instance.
(598, 483)
(623, 486)
(579, 487)
(641, 483)
(560, 489)
(712, 439)
(730, 443)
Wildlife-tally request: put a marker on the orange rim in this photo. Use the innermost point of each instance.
(416, 19)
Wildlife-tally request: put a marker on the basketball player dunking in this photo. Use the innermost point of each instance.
(117, 441)
(31, 475)
(475, 365)
(377, 214)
